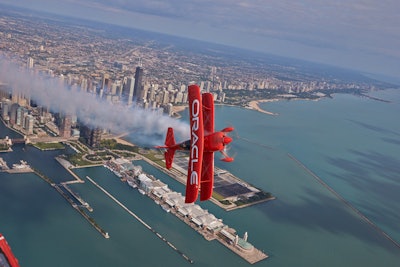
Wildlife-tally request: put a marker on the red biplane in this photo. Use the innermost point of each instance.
(7, 258)
(202, 145)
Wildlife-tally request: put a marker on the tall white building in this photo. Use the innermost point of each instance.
(29, 63)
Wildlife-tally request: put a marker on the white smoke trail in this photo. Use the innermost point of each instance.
(146, 127)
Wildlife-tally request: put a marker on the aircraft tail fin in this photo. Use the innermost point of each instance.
(171, 148)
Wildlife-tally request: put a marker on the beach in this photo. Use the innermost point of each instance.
(254, 105)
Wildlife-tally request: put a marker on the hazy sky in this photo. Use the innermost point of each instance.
(357, 34)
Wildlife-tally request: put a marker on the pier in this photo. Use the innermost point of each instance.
(81, 211)
(140, 220)
(223, 198)
(68, 167)
(78, 198)
(193, 215)
(253, 256)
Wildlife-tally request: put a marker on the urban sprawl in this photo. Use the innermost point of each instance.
(119, 68)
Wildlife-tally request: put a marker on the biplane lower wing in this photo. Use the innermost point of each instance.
(207, 176)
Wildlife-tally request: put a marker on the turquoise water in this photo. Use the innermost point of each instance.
(351, 143)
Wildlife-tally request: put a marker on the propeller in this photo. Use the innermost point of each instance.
(228, 129)
(227, 140)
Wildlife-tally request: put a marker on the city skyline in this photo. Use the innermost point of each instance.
(360, 35)
(51, 63)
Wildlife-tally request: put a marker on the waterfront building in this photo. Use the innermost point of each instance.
(13, 113)
(21, 114)
(161, 191)
(4, 111)
(65, 128)
(172, 198)
(29, 122)
(148, 184)
(92, 137)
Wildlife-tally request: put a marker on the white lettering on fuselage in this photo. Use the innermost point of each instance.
(194, 150)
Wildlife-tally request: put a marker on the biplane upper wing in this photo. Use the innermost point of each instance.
(196, 144)
(207, 173)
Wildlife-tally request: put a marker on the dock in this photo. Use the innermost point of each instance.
(77, 197)
(67, 165)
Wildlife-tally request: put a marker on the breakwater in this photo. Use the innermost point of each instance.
(140, 220)
(345, 202)
(76, 206)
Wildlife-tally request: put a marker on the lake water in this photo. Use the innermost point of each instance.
(350, 143)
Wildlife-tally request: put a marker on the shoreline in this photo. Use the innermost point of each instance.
(254, 104)
(176, 111)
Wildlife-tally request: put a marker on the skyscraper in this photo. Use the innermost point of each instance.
(65, 129)
(29, 121)
(138, 88)
(105, 84)
(4, 111)
(91, 136)
(128, 90)
(13, 113)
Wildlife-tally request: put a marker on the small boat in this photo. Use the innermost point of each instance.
(142, 192)
(166, 208)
